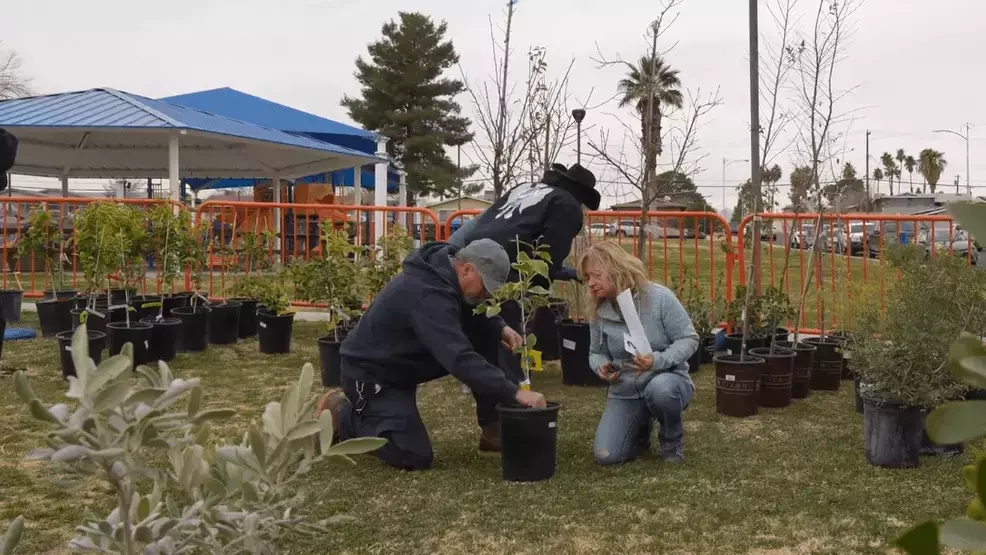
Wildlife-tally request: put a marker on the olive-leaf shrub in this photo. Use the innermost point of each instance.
(238, 498)
(531, 297)
(959, 421)
(10, 539)
(385, 259)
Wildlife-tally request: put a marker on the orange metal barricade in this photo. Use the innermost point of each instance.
(14, 212)
(675, 242)
(850, 253)
(299, 234)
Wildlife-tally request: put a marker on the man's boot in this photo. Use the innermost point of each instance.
(489, 438)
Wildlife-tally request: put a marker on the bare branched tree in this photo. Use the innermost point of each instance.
(514, 118)
(775, 78)
(815, 60)
(682, 140)
(13, 82)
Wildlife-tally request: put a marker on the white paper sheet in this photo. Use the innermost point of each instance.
(636, 343)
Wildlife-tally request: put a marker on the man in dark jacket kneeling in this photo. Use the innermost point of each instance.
(421, 327)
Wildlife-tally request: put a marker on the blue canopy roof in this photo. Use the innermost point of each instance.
(110, 133)
(246, 107)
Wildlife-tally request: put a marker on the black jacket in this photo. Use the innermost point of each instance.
(414, 332)
(532, 212)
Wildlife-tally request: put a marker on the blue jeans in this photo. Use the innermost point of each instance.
(625, 427)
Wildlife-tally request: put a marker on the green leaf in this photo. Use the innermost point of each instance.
(967, 360)
(249, 491)
(303, 430)
(143, 534)
(213, 414)
(971, 216)
(194, 402)
(106, 372)
(540, 267)
(981, 479)
(22, 387)
(70, 453)
(327, 432)
(39, 412)
(538, 290)
(492, 310)
(356, 446)
(258, 443)
(920, 540)
(143, 508)
(112, 397)
(963, 534)
(305, 382)
(146, 395)
(111, 453)
(957, 421)
(12, 537)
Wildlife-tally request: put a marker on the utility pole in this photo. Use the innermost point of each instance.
(755, 137)
(957, 184)
(725, 164)
(968, 127)
(869, 199)
(458, 171)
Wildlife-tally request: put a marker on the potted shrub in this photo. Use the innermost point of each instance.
(10, 302)
(255, 247)
(901, 356)
(336, 280)
(168, 227)
(194, 334)
(573, 328)
(130, 239)
(275, 318)
(706, 316)
(738, 374)
(528, 436)
(44, 238)
(103, 238)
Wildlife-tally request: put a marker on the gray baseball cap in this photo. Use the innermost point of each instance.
(490, 260)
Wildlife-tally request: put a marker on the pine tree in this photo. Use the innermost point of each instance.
(406, 99)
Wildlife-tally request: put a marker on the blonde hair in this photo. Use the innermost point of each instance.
(623, 269)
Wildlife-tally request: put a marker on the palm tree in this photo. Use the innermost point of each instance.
(639, 88)
(931, 164)
(900, 157)
(909, 164)
(877, 175)
(889, 169)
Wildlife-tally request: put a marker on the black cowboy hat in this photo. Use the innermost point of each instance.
(580, 182)
(8, 152)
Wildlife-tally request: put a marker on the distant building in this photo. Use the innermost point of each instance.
(910, 203)
(655, 205)
(445, 208)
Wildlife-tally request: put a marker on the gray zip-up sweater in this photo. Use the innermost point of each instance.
(669, 330)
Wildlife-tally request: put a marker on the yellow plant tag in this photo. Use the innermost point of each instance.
(535, 358)
(525, 385)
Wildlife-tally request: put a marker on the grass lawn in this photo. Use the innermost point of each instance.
(788, 481)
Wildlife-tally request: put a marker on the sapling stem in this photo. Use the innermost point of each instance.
(807, 283)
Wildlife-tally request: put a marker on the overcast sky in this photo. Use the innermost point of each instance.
(912, 63)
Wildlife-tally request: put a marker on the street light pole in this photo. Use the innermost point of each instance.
(579, 115)
(968, 180)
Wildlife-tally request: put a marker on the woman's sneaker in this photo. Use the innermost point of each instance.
(673, 452)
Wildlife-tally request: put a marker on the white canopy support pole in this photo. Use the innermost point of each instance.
(402, 201)
(358, 201)
(276, 187)
(380, 189)
(64, 185)
(174, 175)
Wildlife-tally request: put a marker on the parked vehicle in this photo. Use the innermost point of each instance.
(960, 244)
(889, 232)
(623, 228)
(850, 239)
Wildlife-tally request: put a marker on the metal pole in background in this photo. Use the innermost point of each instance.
(579, 115)
(755, 136)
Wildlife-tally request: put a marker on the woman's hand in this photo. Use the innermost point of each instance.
(642, 363)
(607, 373)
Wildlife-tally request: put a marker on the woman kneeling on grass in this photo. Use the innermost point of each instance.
(643, 388)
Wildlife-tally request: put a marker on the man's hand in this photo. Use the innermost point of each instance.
(607, 373)
(510, 338)
(642, 363)
(531, 399)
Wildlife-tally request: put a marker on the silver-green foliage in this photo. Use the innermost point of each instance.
(958, 421)
(238, 498)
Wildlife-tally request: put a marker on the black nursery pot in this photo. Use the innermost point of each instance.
(194, 334)
(892, 434)
(97, 342)
(174, 301)
(224, 322)
(707, 349)
(55, 316)
(738, 385)
(328, 354)
(164, 337)
(734, 343)
(826, 373)
(544, 325)
(137, 333)
(248, 317)
(803, 361)
(10, 305)
(274, 332)
(529, 442)
(575, 368)
(93, 321)
(143, 306)
(61, 294)
(120, 296)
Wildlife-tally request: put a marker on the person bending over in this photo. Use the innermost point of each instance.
(643, 388)
(421, 327)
